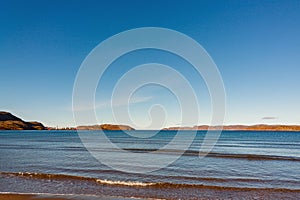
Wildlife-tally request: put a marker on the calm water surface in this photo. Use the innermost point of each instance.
(57, 162)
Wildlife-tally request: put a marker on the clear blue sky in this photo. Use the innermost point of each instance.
(255, 44)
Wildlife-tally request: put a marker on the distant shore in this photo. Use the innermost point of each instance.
(258, 127)
(10, 122)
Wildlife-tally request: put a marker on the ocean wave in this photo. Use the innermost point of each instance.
(46, 176)
(172, 152)
(125, 183)
(218, 154)
(121, 183)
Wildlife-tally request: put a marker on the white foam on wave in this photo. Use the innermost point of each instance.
(125, 183)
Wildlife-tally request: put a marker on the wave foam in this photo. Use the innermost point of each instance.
(125, 183)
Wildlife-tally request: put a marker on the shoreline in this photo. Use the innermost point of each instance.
(12, 196)
(9, 121)
(182, 129)
(203, 193)
(27, 196)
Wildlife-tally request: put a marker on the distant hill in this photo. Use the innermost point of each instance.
(105, 127)
(11, 122)
(259, 127)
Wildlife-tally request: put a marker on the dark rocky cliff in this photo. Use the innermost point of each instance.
(11, 122)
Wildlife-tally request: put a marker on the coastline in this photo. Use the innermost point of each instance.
(257, 127)
(9, 121)
(204, 193)
(24, 196)
(164, 129)
(27, 197)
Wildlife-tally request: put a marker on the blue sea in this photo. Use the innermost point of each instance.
(242, 165)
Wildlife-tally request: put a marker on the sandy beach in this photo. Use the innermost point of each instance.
(203, 193)
(26, 197)
(57, 197)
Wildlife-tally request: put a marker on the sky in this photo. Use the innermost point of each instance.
(255, 45)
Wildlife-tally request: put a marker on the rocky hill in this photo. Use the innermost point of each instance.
(11, 122)
(259, 127)
(105, 127)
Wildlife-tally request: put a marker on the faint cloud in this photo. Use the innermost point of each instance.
(123, 102)
(117, 103)
(269, 118)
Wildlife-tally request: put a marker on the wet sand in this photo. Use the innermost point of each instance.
(25, 197)
(203, 194)
(57, 197)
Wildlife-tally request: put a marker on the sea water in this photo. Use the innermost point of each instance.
(57, 162)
